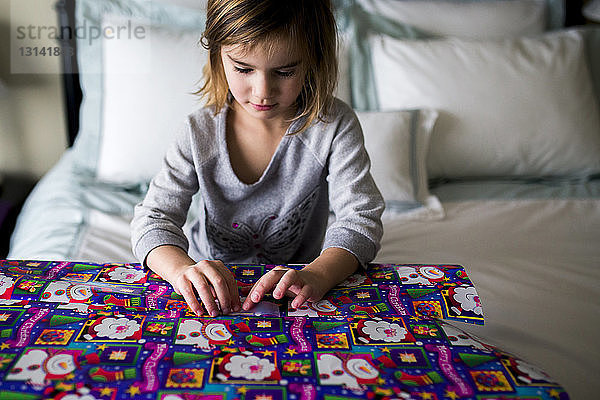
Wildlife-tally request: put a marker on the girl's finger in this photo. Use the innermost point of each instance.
(204, 292)
(262, 286)
(234, 294)
(220, 285)
(289, 279)
(301, 297)
(293, 290)
(189, 296)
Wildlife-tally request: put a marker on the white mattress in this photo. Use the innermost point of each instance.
(536, 267)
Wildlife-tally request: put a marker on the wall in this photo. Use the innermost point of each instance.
(32, 123)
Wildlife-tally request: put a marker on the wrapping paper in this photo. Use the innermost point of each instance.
(73, 330)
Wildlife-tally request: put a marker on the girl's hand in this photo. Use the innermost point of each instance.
(310, 283)
(210, 280)
(304, 285)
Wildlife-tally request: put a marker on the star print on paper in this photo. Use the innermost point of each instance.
(263, 324)
(408, 357)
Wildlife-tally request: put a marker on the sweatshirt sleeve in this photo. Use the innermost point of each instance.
(353, 196)
(159, 218)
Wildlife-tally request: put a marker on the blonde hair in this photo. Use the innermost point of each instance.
(309, 25)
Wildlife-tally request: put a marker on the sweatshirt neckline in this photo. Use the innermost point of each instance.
(275, 158)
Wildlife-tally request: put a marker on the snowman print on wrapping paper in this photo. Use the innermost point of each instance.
(38, 366)
(320, 308)
(457, 337)
(424, 275)
(203, 334)
(353, 371)
(65, 292)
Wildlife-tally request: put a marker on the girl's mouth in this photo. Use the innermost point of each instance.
(261, 107)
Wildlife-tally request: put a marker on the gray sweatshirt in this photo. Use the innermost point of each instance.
(281, 218)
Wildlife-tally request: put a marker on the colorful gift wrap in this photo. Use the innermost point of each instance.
(73, 330)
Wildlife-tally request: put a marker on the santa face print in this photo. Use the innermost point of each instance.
(6, 284)
(249, 367)
(467, 298)
(116, 328)
(126, 275)
(383, 331)
(525, 373)
(354, 280)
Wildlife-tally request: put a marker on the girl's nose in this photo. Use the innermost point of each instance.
(262, 87)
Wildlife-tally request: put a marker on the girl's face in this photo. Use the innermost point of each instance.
(265, 84)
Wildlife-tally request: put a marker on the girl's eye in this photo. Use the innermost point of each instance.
(286, 74)
(243, 70)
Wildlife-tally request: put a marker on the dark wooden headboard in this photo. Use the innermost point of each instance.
(70, 72)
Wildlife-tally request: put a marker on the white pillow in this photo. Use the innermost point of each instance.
(191, 4)
(148, 85)
(465, 19)
(397, 143)
(514, 107)
(146, 96)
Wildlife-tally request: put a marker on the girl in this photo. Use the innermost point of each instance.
(270, 154)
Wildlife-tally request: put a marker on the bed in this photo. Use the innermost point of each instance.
(481, 119)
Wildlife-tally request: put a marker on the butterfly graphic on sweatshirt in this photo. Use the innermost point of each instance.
(277, 237)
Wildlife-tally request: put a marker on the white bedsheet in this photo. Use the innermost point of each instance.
(105, 239)
(536, 267)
